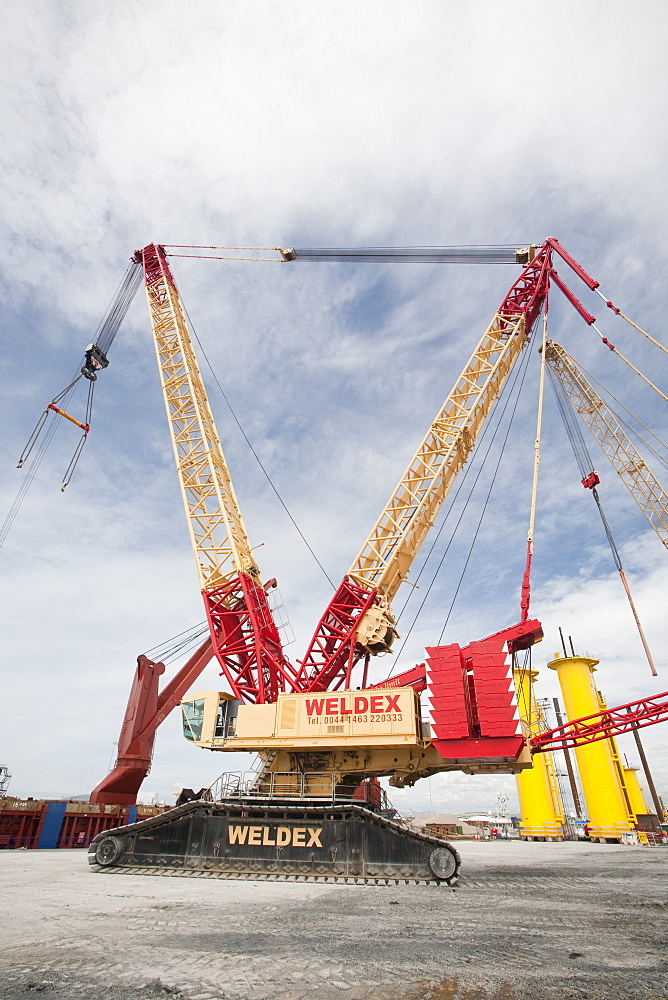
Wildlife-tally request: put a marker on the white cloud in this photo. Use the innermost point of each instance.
(329, 124)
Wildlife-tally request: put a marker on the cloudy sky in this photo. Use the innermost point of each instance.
(329, 124)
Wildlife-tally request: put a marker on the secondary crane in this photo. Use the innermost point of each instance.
(641, 483)
(316, 745)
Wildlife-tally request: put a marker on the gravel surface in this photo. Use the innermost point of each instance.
(526, 922)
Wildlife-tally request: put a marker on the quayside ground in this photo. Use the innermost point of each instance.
(528, 921)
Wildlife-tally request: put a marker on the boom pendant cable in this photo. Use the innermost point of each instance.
(590, 480)
(618, 312)
(518, 378)
(253, 451)
(525, 598)
(629, 363)
(95, 360)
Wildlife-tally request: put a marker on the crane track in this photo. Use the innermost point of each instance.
(275, 840)
(273, 876)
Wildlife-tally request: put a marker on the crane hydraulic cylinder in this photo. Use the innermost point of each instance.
(601, 775)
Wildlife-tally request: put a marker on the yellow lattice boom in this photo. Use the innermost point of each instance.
(643, 486)
(386, 556)
(217, 531)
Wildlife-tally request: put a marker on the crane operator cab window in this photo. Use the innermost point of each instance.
(193, 719)
(226, 717)
(209, 716)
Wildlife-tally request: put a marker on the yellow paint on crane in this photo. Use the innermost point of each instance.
(635, 792)
(608, 806)
(540, 801)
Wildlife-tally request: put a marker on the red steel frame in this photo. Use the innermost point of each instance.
(603, 725)
(333, 651)
(147, 708)
(246, 641)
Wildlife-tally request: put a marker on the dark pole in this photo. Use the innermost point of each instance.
(648, 774)
(569, 763)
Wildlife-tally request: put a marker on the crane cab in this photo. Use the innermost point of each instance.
(321, 720)
(209, 715)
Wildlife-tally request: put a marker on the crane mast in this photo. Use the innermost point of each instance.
(245, 638)
(643, 486)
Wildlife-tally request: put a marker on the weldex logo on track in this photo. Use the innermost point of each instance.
(359, 705)
(277, 836)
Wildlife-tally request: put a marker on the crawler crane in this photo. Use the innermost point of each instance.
(324, 735)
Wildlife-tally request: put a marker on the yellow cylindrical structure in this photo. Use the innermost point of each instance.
(635, 792)
(608, 806)
(537, 789)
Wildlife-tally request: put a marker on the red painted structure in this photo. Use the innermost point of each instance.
(246, 642)
(603, 725)
(473, 704)
(147, 708)
(40, 823)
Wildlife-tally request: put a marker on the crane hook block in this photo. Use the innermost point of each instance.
(96, 360)
(591, 481)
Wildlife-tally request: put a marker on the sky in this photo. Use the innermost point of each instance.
(315, 125)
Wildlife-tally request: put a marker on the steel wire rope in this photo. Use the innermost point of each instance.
(27, 482)
(204, 256)
(462, 482)
(487, 498)
(34, 466)
(625, 423)
(520, 371)
(583, 459)
(169, 649)
(572, 425)
(120, 303)
(255, 454)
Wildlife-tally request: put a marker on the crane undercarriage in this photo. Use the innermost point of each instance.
(259, 838)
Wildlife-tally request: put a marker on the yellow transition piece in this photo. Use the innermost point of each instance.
(603, 784)
(537, 788)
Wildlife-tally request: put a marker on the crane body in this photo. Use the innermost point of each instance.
(312, 808)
